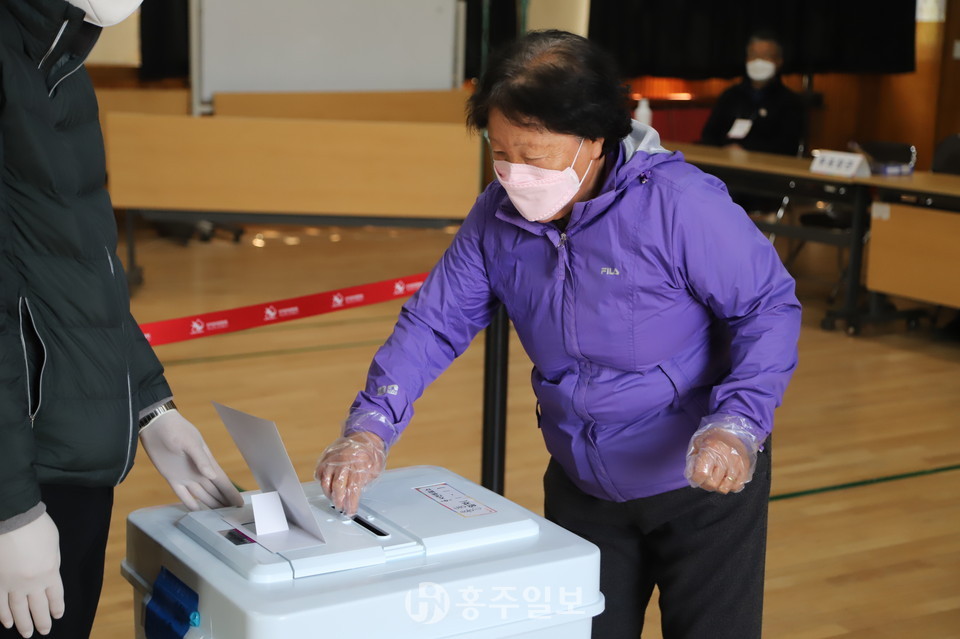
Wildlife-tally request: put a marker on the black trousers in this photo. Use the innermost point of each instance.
(82, 516)
(705, 551)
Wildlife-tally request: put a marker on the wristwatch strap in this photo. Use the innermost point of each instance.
(157, 412)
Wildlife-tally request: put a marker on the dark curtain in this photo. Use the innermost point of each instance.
(503, 29)
(164, 39)
(696, 39)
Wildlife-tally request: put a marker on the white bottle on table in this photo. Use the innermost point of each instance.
(643, 114)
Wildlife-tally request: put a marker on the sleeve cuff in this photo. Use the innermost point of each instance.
(372, 422)
(21, 520)
(743, 427)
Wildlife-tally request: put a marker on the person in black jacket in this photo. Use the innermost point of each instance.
(759, 113)
(78, 380)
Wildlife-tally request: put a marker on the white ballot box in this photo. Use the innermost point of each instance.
(430, 554)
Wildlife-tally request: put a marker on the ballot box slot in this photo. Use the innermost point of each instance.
(363, 523)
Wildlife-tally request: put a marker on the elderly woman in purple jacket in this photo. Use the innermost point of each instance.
(661, 325)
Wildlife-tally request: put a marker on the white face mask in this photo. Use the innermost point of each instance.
(106, 13)
(760, 70)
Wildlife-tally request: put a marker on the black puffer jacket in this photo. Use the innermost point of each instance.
(75, 370)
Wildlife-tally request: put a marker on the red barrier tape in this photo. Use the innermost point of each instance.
(239, 319)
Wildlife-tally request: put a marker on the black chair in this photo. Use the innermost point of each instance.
(946, 157)
(890, 158)
(182, 232)
(768, 209)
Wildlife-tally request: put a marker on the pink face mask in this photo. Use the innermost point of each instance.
(539, 193)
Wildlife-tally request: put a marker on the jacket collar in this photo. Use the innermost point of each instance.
(54, 32)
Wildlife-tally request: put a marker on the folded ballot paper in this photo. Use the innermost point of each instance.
(282, 517)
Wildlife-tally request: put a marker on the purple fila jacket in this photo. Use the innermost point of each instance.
(659, 304)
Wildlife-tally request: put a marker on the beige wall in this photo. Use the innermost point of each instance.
(119, 45)
(569, 15)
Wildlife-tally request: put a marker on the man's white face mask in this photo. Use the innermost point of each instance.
(760, 70)
(106, 13)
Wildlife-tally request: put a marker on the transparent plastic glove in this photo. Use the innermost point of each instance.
(31, 592)
(348, 465)
(722, 454)
(177, 449)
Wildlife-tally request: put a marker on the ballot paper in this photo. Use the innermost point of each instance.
(261, 446)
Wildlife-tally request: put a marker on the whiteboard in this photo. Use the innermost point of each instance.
(323, 45)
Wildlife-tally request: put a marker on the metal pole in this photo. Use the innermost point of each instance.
(197, 104)
(495, 402)
(460, 45)
(484, 34)
(494, 447)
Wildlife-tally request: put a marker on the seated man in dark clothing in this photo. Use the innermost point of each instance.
(759, 113)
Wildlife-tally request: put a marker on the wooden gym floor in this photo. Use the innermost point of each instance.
(865, 521)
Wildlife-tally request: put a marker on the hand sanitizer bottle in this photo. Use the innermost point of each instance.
(642, 113)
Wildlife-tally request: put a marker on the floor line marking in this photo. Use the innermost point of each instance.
(865, 482)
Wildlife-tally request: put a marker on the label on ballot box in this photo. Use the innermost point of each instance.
(839, 163)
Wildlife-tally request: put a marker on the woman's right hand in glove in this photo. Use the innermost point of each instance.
(348, 465)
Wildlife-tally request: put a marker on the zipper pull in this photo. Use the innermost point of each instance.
(562, 256)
